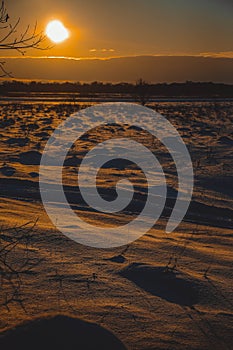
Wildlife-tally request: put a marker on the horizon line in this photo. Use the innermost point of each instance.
(228, 55)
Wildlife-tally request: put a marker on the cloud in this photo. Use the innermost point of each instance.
(222, 54)
(102, 50)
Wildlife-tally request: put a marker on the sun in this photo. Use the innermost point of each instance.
(56, 31)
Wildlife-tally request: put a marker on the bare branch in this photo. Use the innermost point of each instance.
(3, 13)
(3, 72)
(20, 42)
(16, 261)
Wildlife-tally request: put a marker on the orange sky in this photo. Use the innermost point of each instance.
(106, 28)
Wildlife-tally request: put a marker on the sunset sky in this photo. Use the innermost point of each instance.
(104, 28)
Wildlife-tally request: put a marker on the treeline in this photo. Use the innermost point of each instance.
(200, 89)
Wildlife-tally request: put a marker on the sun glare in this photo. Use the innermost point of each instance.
(56, 31)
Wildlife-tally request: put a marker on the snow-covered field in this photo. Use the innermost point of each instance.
(163, 291)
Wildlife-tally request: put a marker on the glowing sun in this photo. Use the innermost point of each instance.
(56, 31)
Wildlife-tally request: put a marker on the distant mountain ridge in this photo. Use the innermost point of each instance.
(154, 69)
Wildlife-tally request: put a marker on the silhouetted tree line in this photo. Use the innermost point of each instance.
(140, 88)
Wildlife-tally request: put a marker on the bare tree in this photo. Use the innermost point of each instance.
(142, 91)
(11, 39)
(17, 259)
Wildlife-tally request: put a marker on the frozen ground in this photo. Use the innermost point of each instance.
(164, 291)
